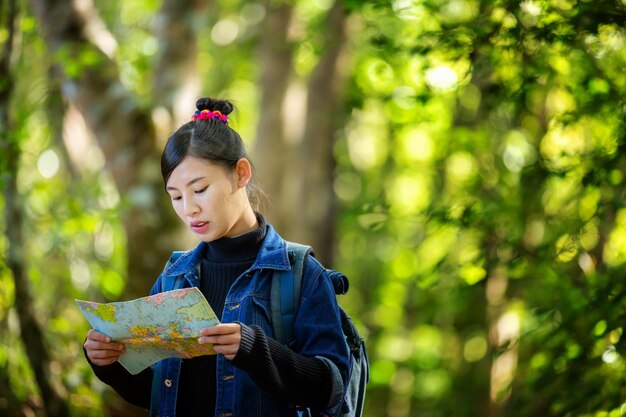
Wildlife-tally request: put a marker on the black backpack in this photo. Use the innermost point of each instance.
(285, 298)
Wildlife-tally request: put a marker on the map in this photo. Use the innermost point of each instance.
(156, 327)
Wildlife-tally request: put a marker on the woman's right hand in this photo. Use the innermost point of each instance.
(101, 350)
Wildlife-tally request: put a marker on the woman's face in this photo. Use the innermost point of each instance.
(211, 201)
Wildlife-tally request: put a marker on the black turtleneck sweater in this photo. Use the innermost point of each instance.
(274, 367)
(225, 259)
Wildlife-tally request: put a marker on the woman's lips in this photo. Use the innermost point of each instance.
(200, 227)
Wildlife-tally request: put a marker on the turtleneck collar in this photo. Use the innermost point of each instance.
(238, 248)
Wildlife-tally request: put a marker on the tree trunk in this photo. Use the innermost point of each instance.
(176, 75)
(30, 328)
(314, 216)
(123, 131)
(270, 149)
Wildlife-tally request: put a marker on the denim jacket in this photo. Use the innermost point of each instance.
(317, 330)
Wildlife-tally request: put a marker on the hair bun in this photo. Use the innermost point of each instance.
(211, 104)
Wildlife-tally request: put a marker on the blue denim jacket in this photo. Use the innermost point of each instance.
(317, 330)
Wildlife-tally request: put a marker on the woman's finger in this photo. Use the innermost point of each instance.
(220, 340)
(221, 329)
(91, 344)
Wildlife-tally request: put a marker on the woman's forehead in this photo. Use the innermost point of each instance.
(192, 167)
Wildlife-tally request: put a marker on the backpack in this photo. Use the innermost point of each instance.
(285, 296)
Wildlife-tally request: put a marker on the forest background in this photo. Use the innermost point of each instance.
(462, 161)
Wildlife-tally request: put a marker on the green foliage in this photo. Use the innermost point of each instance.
(490, 134)
(72, 232)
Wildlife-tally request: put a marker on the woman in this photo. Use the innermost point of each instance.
(208, 176)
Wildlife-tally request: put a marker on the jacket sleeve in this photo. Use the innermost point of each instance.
(136, 389)
(277, 369)
(315, 373)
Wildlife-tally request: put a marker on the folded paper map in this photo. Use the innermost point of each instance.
(154, 328)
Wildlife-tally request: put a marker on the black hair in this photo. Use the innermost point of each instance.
(209, 139)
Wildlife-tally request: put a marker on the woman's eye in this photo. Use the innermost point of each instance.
(176, 198)
(201, 190)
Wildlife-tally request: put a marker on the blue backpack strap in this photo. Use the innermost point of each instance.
(285, 296)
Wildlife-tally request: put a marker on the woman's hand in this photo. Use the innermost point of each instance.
(224, 337)
(101, 350)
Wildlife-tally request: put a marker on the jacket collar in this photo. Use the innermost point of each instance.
(272, 255)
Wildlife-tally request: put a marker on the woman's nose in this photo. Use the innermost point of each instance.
(190, 208)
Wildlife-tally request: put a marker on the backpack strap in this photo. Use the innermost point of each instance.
(285, 293)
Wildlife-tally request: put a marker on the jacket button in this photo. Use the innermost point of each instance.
(168, 383)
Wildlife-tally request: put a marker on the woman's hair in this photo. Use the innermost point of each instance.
(208, 136)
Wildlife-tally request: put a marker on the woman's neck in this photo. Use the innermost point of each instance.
(237, 248)
(246, 223)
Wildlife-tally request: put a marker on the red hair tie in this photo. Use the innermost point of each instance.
(208, 114)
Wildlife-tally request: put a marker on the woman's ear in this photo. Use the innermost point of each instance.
(243, 171)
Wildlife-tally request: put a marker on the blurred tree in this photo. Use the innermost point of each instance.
(293, 146)
(175, 68)
(124, 132)
(17, 256)
(315, 161)
(499, 195)
(275, 69)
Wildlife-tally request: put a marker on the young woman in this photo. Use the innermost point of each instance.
(208, 176)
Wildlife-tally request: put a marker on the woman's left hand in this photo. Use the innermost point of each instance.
(224, 337)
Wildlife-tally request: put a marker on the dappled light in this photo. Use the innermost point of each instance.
(441, 78)
(225, 32)
(48, 164)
